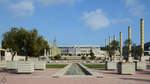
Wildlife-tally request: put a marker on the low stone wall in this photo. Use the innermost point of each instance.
(15, 64)
(25, 67)
(126, 68)
(141, 65)
(39, 65)
(2, 64)
(11, 65)
(111, 65)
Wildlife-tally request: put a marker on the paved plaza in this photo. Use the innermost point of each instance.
(45, 77)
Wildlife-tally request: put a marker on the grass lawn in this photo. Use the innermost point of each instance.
(55, 65)
(148, 67)
(95, 66)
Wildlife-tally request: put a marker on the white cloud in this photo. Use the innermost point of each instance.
(23, 8)
(120, 20)
(135, 7)
(54, 2)
(26, 7)
(96, 19)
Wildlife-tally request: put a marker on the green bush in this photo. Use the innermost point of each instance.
(65, 58)
(55, 65)
(83, 57)
(57, 57)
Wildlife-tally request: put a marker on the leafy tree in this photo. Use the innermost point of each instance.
(111, 50)
(87, 54)
(24, 42)
(9, 41)
(65, 58)
(42, 44)
(115, 45)
(92, 55)
(70, 54)
(83, 57)
(136, 51)
(79, 55)
(57, 57)
(126, 48)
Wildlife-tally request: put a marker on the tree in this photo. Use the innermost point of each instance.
(111, 49)
(24, 42)
(136, 51)
(9, 41)
(87, 54)
(79, 55)
(42, 44)
(115, 45)
(57, 57)
(83, 57)
(126, 48)
(92, 55)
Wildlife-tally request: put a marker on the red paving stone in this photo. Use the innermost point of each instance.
(45, 77)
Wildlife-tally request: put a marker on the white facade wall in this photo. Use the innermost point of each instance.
(81, 49)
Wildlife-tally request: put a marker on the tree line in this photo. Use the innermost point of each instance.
(114, 46)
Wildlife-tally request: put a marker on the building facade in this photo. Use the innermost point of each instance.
(54, 50)
(147, 48)
(76, 50)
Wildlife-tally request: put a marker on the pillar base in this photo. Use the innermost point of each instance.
(111, 65)
(39, 65)
(25, 67)
(11, 65)
(127, 68)
(140, 65)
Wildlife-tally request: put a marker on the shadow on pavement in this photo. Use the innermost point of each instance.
(136, 79)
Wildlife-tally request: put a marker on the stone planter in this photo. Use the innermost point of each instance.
(111, 65)
(40, 65)
(126, 68)
(11, 65)
(141, 65)
(2, 64)
(25, 67)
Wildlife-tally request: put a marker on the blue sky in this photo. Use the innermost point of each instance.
(84, 22)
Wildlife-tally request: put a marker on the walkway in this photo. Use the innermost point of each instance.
(44, 77)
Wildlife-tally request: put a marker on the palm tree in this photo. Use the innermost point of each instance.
(112, 48)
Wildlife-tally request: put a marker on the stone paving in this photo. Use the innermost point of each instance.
(45, 77)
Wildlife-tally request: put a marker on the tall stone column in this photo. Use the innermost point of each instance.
(142, 36)
(0, 56)
(105, 43)
(47, 53)
(114, 37)
(109, 41)
(110, 58)
(106, 48)
(142, 64)
(129, 44)
(121, 45)
(44, 52)
(114, 57)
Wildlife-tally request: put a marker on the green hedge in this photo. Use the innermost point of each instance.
(55, 65)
